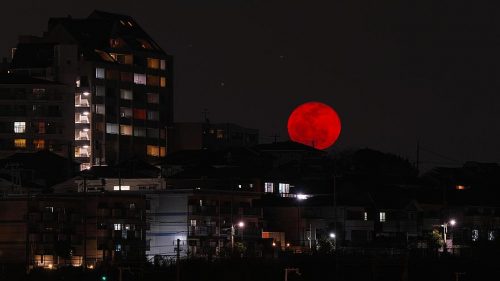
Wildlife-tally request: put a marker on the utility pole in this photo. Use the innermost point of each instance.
(178, 278)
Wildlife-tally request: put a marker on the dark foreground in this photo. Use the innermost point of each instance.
(311, 268)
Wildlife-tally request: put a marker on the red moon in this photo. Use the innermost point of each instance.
(315, 124)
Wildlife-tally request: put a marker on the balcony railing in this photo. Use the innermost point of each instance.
(82, 119)
(81, 102)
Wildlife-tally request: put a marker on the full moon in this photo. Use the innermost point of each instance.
(314, 124)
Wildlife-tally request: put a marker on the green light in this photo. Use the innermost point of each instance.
(104, 278)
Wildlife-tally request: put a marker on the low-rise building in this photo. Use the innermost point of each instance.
(56, 230)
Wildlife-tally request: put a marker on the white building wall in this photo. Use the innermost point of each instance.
(168, 219)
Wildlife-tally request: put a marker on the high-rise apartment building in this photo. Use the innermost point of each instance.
(122, 83)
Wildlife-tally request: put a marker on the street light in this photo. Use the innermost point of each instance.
(241, 224)
(332, 235)
(452, 222)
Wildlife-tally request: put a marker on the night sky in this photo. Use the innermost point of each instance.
(394, 72)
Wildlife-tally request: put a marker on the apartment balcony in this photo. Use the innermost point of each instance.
(82, 153)
(81, 102)
(83, 134)
(82, 119)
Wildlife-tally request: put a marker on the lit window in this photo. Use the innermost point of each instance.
(100, 109)
(163, 82)
(475, 235)
(100, 73)
(155, 151)
(123, 187)
(162, 64)
(20, 143)
(153, 63)
(117, 226)
(153, 98)
(19, 127)
(365, 216)
(100, 91)
(122, 58)
(39, 144)
(126, 94)
(139, 132)
(382, 216)
(140, 78)
(125, 112)
(153, 115)
(284, 188)
(269, 187)
(153, 80)
(126, 130)
(220, 134)
(491, 235)
(39, 94)
(111, 128)
(139, 114)
(193, 222)
(118, 247)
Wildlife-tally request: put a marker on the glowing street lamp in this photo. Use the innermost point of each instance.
(332, 235)
(301, 196)
(452, 222)
(241, 225)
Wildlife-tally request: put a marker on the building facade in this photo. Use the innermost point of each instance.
(212, 136)
(121, 79)
(35, 115)
(60, 229)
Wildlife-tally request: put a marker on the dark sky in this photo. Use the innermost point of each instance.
(395, 72)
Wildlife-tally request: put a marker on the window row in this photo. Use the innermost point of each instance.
(37, 127)
(139, 114)
(128, 130)
(283, 188)
(136, 78)
(125, 94)
(38, 144)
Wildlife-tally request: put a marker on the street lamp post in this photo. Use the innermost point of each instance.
(241, 225)
(300, 197)
(452, 222)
